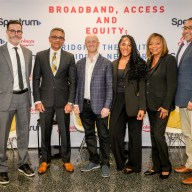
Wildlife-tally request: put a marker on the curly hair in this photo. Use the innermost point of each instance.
(137, 66)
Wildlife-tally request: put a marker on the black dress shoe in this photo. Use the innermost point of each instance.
(4, 179)
(128, 170)
(151, 172)
(161, 176)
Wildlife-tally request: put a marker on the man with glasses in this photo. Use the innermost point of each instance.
(184, 95)
(54, 88)
(15, 98)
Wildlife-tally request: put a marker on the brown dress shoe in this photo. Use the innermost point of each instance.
(43, 167)
(183, 169)
(68, 167)
(187, 181)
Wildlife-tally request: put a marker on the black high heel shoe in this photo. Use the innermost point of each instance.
(161, 176)
(151, 172)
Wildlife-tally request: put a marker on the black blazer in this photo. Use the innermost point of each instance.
(162, 83)
(55, 90)
(135, 99)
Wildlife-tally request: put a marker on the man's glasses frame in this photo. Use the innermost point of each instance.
(185, 28)
(12, 31)
(56, 37)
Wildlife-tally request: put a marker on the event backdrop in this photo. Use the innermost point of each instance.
(109, 19)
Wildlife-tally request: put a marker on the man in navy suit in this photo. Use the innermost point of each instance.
(184, 95)
(93, 102)
(54, 87)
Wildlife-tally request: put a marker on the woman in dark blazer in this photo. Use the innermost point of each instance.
(160, 90)
(129, 105)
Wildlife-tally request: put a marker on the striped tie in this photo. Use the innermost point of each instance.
(54, 63)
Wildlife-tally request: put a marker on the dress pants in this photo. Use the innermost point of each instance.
(118, 121)
(20, 107)
(160, 156)
(186, 127)
(46, 122)
(89, 120)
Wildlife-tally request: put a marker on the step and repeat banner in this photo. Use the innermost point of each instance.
(109, 19)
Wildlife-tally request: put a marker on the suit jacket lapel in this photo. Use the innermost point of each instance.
(127, 68)
(47, 60)
(179, 51)
(82, 74)
(26, 58)
(61, 62)
(155, 68)
(189, 46)
(97, 66)
(8, 58)
(115, 74)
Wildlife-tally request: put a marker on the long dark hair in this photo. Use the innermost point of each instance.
(137, 66)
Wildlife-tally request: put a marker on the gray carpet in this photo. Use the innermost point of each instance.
(56, 179)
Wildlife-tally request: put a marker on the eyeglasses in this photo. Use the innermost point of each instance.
(185, 28)
(12, 31)
(55, 38)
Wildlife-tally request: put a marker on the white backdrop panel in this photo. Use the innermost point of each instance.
(109, 19)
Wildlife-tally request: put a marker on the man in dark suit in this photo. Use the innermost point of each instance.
(15, 98)
(93, 102)
(54, 87)
(184, 95)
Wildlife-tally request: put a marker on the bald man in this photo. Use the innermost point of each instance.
(93, 102)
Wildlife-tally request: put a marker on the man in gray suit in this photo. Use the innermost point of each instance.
(15, 98)
(93, 102)
(54, 88)
(184, 95)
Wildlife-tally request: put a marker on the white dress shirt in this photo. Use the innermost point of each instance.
(88, 74)
(13, 57)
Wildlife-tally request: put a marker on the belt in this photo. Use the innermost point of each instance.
(87, 101)
(20, 91)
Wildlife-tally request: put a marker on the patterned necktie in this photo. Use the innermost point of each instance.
(20, 78)
(54, 63)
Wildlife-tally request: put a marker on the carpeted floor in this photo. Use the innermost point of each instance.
(56, 179)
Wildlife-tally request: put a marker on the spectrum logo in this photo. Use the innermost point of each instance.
(178, 22)
(25, 22)
(2, 41)
(27, 43)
